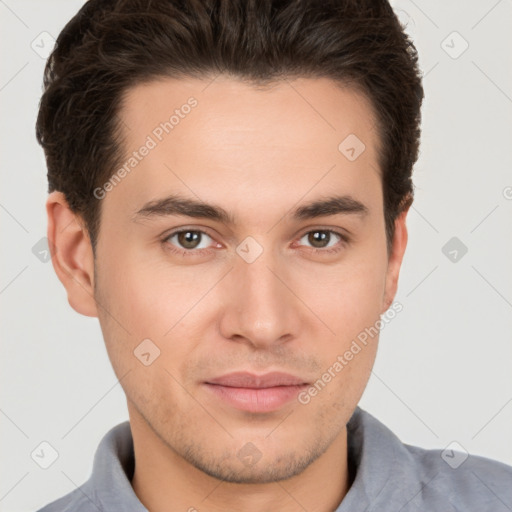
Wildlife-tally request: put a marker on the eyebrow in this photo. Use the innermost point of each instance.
(180, 205)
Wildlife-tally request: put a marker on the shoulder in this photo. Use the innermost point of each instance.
(394, 475)
(467, 481)
(457, 478)
(75, 501)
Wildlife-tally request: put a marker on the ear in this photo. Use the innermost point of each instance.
(395, 260)
(73, 259)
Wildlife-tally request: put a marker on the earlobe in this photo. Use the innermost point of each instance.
(73, 259)
(395, 260)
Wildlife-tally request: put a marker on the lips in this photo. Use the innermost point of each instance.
(256, 393)
(249, 380)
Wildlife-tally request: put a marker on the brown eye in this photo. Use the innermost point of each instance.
(322, 238)
(187, 239)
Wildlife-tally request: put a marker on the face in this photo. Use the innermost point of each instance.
(254, 283)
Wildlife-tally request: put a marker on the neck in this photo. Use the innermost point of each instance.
(164, 481)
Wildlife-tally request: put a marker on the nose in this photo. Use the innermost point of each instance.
(259, 306)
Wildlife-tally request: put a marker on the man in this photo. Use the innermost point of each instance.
(229, 184)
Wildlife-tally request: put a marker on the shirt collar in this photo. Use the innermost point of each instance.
(371, 450)
(114, 462)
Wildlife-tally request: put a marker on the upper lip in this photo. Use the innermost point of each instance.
(251, 380)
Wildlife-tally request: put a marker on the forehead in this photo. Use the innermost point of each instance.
(231, 142)
(293, 108)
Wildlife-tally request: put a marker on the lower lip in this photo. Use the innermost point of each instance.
(256, 399)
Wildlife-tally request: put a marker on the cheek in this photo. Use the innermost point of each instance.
(347, 301)
(146, 294)
(347, 296)
(140, 305)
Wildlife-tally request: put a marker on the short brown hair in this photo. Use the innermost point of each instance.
(110, 46)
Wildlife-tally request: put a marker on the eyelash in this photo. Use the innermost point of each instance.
(194, 252)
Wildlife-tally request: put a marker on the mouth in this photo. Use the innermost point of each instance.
(256, 393)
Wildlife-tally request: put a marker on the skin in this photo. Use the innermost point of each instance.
(258, 153)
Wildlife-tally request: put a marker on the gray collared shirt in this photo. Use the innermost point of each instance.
(389, 476)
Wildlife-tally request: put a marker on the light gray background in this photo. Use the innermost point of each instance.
(443, 368)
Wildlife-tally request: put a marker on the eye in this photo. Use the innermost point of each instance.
(187, 241)
(321, 239)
